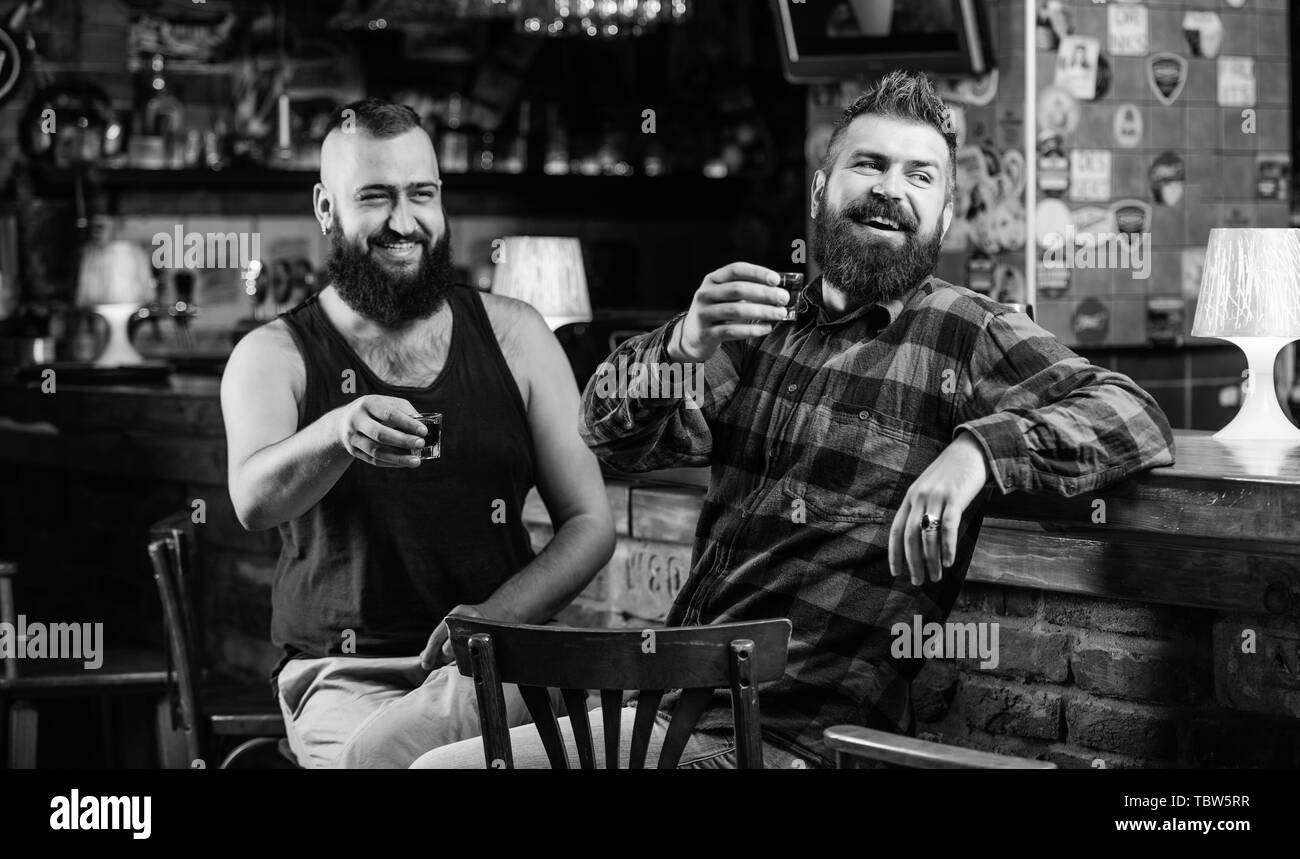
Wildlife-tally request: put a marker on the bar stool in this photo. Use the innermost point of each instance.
(124, 671)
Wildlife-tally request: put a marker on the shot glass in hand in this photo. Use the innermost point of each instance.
(792, 283)
(433, 439)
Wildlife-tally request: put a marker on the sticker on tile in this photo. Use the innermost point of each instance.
(1090, 174)
(1167, 74)
(1092, 219)
(1090, 322)
(1053, 166)
(1076, 66)
(1204, 33)
(1165, 317)
(1236, 81)
(1131, 216)
(1126, 30)
(1054, 23)
(1058, 111)
(1127, 125)
(979, 272)
(1193, 265)
(1051, 220)
(1274, 176)
(1051, 282)
(1168, 176)
(1008, 284)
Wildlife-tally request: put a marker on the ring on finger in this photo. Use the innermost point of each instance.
(929, 524)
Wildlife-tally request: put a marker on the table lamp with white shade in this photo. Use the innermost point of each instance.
(1250, 296)
(546, 272)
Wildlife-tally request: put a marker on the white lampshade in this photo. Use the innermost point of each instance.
(1250, 286)
(546, 272)
(1250, 296)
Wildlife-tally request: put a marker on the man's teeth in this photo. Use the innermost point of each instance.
(886, 222)
(398, 246)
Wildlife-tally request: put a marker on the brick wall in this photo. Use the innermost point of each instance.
(1090, 682)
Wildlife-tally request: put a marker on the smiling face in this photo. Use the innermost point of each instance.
(380, 201)
(882, 207)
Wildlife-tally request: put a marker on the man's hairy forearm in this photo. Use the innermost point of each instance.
(581, 546)
(284, 480)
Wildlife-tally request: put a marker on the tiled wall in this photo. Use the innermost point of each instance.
(1103, 313)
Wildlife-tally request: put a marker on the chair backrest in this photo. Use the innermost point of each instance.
(169, 551)
(853, 744)
(694, 659)
(8, 613)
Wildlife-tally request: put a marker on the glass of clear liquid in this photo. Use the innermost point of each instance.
(433, 440)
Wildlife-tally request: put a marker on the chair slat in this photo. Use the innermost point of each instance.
(575, 701)
(611, 711)
(686, 714)
(491, 704)
(744, 706)
(538, 702)
(647, 706)
(661, 658)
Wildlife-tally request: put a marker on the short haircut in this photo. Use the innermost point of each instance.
(901, 95)
(377, 117)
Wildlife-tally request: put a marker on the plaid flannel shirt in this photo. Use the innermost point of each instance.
(815, 432)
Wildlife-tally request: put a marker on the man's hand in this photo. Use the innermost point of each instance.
(735, 302)
(944, 490)
(380, 431)
(438, 651)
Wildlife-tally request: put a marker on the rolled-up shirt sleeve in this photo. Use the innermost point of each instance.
(1049, 420)
(641, 411)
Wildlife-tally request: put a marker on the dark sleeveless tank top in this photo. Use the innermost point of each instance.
(375, 566)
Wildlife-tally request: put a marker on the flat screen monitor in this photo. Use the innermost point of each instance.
(827, 40)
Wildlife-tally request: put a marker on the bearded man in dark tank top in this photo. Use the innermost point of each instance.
(379, 546)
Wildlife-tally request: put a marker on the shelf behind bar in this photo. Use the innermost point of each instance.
(260, 190)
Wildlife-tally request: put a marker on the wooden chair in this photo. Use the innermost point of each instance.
(122, 672)
(853, 744)
(202, 706)
(695, 659)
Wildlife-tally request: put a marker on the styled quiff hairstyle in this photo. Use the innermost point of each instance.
(901, 95)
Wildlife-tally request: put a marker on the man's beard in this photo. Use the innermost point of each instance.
(386, 297)
(870, 269)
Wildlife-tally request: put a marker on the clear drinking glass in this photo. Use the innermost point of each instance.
(792, 282)
(433, 441)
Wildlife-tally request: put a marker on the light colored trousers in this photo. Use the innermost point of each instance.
(703, 751)
(360, 713)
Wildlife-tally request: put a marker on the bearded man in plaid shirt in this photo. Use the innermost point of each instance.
(855, 441)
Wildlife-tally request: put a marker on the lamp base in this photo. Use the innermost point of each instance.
(1260, 417)
(118, 351)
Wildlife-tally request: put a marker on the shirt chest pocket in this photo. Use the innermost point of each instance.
(857, 464)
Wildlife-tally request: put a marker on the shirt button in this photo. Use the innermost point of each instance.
(1011, 478)
(772, 452)
(863, 415)
(791, 388)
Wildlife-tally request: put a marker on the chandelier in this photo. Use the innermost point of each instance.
(598, 18)
(583, 18)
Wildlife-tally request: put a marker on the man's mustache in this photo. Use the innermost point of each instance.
(873, 206)
(387, 236)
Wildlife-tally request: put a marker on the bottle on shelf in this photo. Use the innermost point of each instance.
(515, 156)
(557, 144)
(453, 152)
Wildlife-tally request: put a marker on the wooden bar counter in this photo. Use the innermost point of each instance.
(1154, 623)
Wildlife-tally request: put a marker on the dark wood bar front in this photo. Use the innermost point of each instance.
(1154, 623)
